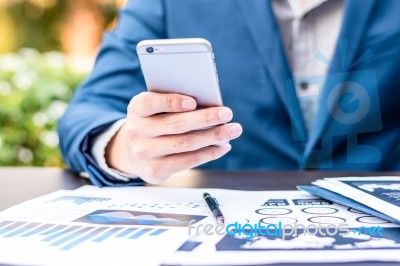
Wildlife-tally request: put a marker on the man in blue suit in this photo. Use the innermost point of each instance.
(311, 84)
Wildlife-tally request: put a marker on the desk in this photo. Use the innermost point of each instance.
(20, 184)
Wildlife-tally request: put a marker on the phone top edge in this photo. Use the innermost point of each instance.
(181, 41)
(197, 44)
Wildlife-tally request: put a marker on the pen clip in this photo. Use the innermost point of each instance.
(216, 201)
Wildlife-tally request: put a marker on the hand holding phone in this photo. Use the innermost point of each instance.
(161, 135)
(182, 66)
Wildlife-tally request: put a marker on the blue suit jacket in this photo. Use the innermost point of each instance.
(356, 128)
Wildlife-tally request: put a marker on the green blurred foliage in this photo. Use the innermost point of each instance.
(37, 83)
(37, 26)
(34, 91)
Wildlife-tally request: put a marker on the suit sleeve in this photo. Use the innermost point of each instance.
(115, 79)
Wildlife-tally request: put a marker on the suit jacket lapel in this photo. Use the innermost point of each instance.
(356, 13)
(265, 33)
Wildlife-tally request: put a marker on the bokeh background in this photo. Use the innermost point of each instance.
(47, 48)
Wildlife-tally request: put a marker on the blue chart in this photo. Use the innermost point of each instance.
(124, 217)
(319, 241)
(78, 200)
(140, 205)
(66, 237)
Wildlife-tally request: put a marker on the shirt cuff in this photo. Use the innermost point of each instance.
(98, 151)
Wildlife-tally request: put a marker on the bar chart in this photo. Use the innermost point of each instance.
(78, 200)
(66, 237)
(160, 206)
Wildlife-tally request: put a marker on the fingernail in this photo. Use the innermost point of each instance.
(226, 148)
(235, 130)
(225, 115)
(188, 104)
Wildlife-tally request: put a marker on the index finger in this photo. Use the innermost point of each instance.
(147, 104)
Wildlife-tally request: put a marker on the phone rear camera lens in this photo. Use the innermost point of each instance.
(150, 50)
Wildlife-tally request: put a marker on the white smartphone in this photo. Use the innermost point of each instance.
(184, 66)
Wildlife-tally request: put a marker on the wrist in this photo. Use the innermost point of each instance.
(116, 152)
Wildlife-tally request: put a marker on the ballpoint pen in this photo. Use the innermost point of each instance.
(214, 207)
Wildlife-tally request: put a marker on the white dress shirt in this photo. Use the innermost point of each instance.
(306, 27)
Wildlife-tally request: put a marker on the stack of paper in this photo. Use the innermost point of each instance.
(108, 226)
(165, 226)
(315, 231)
(378, 196)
